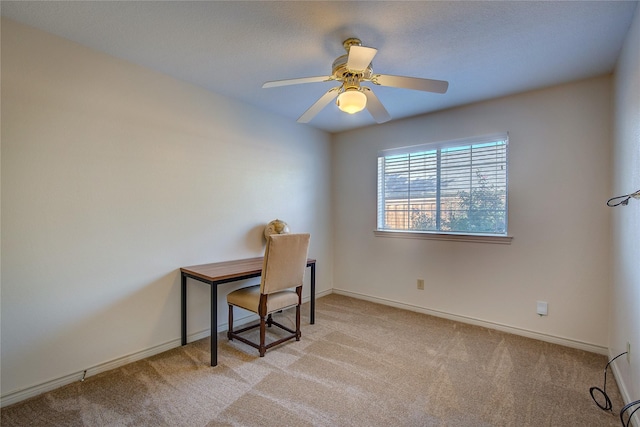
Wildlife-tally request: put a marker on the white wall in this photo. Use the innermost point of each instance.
(625, 304)
(559, 180)
(113, 177)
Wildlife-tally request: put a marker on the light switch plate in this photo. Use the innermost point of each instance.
(542, 308)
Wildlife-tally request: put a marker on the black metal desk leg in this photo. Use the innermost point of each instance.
(183, 309)
(312, 315)
(214, 324)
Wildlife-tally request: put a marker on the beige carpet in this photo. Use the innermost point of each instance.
(361, 364)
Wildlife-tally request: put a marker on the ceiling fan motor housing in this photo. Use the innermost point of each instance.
(339, 66)
(340, 70)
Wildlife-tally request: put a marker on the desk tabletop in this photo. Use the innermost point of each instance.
(226, 270)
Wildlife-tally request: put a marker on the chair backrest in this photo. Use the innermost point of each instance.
(285, 261)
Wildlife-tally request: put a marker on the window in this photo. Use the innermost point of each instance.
(453, 187)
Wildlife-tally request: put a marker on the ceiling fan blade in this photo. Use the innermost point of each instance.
(325, 99)
(360, 57)
(427, 85)
(301, 80)
(375, 107)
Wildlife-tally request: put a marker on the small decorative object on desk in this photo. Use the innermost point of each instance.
(276, 227)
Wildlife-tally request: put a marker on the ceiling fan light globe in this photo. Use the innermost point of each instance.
(351, 101)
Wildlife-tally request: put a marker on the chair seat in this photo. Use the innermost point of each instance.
(249, 299)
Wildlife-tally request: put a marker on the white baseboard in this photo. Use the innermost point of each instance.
(26, 393)
(19, 395)
(319, 295)
(567, 342)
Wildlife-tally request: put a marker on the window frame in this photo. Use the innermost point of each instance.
(441, 234)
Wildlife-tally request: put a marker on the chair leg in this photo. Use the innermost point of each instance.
(230, 330)
(298, 333)
(262, 348)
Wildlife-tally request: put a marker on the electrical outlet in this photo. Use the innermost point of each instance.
(628, 352)
(421, 284)
(542, 308)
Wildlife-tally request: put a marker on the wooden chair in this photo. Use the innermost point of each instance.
(285, 262)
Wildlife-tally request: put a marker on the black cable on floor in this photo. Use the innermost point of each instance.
(625, 409)
(607, 405)
(603, 391)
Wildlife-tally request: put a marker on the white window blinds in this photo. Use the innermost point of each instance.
(448, 187)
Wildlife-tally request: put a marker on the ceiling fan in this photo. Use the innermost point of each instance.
(351, 70)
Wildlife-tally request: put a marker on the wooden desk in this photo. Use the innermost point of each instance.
(218, 273)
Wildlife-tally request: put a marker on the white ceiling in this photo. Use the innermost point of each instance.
(484, 49)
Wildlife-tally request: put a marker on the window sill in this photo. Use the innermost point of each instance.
(455, 237)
